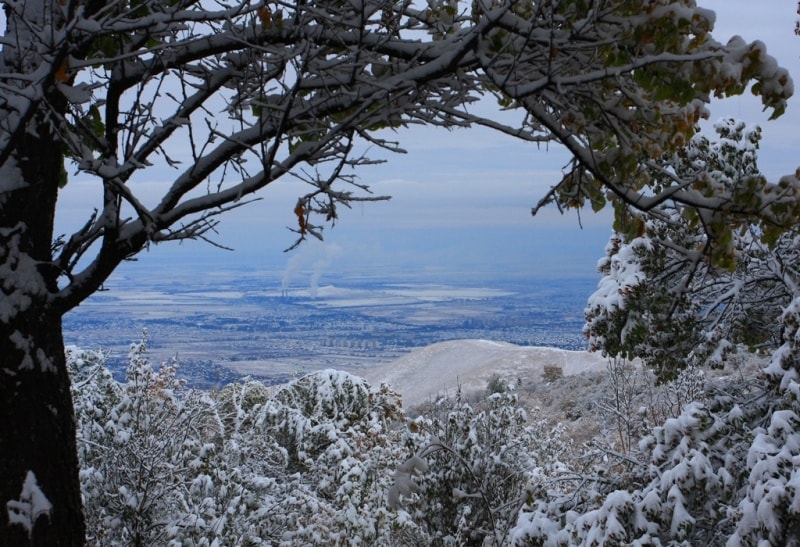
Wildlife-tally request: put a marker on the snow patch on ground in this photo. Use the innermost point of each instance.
(440, 368)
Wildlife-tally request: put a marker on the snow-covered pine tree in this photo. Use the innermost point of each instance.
(723, 471)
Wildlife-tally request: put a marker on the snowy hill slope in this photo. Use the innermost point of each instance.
(440, 368)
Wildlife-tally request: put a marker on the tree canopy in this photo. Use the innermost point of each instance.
(223, 100)
(676, 291)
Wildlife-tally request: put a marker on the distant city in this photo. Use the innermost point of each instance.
(226, 324)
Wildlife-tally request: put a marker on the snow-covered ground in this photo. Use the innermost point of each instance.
(440, 368)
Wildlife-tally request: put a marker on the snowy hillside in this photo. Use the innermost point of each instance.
(441, 368)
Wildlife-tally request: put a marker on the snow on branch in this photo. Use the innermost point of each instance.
(221, 101)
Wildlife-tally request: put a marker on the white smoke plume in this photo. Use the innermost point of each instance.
(312, 259)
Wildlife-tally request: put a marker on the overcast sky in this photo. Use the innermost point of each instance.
(461, 200)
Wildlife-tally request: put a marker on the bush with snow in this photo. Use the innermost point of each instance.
(142, 446)
(679, 289)
(307, 463)
(679, 286)
(473, 467)
(327, 459)
(687, 489)
(720, 472)
(340, 436)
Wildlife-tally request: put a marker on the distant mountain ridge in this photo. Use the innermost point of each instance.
(442, 367)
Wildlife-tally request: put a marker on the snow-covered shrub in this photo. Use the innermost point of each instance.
(142, 444)
(95, 396)
(632, 314)
(685, 493)
(496, 384)
(340, 436)
(158, 465)
(716, 471)
(308, 463)
(681, 287)
(473, 468)
(769, 513)
(314, 462)
(622, 405)
(636, 401)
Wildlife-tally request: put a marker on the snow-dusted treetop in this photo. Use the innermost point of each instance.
(680, 287)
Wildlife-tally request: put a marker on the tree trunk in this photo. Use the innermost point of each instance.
(37, 436)
(40, 499)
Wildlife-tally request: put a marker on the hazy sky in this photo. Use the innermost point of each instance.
(461, 200)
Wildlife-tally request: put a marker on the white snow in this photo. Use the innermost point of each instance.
(343, 297)
(441, 368)
(31, 505)
(10, 177)
(77, 94)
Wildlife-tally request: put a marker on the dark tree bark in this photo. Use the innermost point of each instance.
(37, 429)
(38, 433)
